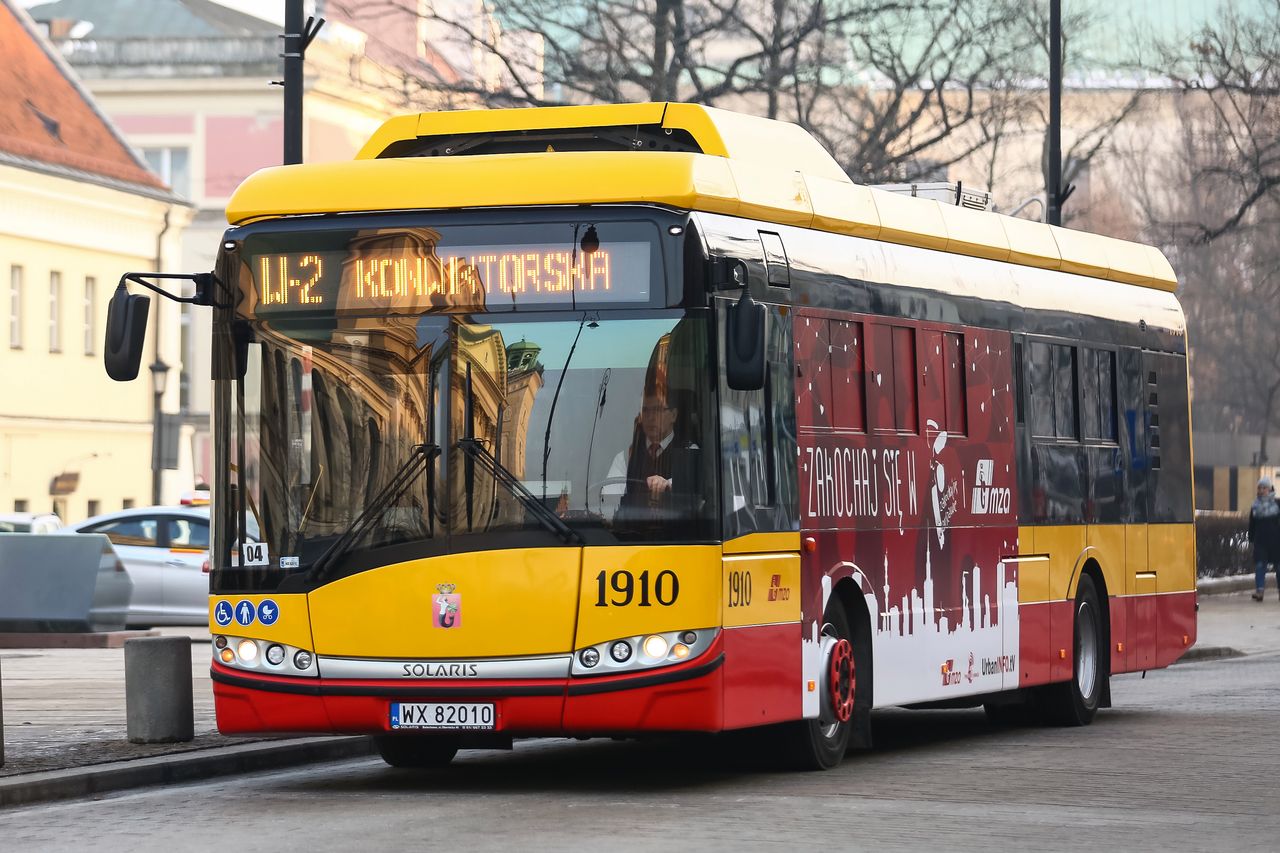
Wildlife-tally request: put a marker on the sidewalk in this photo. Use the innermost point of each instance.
(65, 733)
(64, 713)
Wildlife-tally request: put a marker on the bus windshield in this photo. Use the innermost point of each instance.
(416, 436)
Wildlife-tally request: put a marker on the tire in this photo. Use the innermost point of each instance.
(821, 744)
(1076, 702)
(417, 751)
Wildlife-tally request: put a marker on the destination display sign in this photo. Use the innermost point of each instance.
(409, 272)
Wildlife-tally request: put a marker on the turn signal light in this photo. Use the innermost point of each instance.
(227, 656)
(680, 651)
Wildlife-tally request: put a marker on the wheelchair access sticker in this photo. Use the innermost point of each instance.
(222, 613)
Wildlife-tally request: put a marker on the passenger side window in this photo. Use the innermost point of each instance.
(892, 378)
(1053, 391)
(956, 421)
(1098, 384)
(188, 533)
(130, 531)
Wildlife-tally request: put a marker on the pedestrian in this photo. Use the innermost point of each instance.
(1264, 533)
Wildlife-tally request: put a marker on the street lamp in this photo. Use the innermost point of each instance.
(159, 378)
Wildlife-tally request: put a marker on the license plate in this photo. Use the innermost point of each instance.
(442, 715)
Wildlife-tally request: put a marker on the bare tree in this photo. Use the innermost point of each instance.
(1213, 205)
(896, 89)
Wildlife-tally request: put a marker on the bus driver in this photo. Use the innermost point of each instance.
(656, 462)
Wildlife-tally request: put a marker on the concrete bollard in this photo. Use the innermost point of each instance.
(157, 690)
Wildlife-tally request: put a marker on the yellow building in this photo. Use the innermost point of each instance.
(77, 209)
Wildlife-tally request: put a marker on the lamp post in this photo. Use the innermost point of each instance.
(159, 378)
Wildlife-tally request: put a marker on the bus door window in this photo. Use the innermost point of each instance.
(758, 440)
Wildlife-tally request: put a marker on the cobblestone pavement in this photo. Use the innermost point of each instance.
(65, 708)
(1185, 761)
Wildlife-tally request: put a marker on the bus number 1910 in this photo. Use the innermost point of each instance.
(665, 588)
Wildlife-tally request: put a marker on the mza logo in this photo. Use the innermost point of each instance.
(446, 607)
(950, 675)
(987, 499)
(778, 592)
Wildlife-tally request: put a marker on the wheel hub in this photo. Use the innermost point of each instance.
(838, 679)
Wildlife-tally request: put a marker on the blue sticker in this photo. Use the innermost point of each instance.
(244, 612)
(268, 612)
(222, 613)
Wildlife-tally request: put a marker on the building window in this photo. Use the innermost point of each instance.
(15, 307)
(127, 503)
(94, 507)
(55, 300)
(20, 505)
(171, 164)
(90, 298)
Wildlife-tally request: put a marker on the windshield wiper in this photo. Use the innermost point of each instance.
(419, 460)
(547, 517)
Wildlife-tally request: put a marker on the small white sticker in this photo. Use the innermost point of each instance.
(288, 562)
(253, 554)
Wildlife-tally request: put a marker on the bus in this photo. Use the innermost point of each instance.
(626, 419)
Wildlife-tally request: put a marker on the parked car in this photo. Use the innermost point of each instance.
(165, 550)
(29, 522)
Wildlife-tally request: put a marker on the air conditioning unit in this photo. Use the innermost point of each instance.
(945, 192)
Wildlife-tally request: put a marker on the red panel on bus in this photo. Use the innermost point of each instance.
(921, 506)
(761, 675)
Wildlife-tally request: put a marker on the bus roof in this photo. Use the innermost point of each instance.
(730, 163)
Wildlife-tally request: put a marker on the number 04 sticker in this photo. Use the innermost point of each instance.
(253, 554)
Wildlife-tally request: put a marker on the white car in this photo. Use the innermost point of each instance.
(29, 522)
(165, 550)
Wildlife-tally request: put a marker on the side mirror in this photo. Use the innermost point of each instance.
(744, 344)
(126, 334)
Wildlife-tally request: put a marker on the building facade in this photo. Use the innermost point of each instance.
(190, 85)
(77, 209)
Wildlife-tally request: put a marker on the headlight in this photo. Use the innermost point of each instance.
(628, 654)
(275, 655)
(247, 651)
(302, 660)
(655, 646)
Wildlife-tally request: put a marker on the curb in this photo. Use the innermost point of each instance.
(49, 785)
(1199, 653)
(1236, 583)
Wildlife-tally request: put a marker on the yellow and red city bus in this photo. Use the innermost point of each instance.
(614, 420)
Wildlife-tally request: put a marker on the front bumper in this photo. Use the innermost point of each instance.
(685, 697)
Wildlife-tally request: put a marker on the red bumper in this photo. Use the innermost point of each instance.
(688, 697)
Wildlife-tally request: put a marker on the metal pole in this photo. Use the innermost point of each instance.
(1, 719)
(1053, 178)
(157, 443)
(294, 44)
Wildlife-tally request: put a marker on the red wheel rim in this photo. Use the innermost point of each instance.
(841, 680)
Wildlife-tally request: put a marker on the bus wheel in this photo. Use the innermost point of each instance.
(821, 744)
(418, 751)
(1075, 702)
